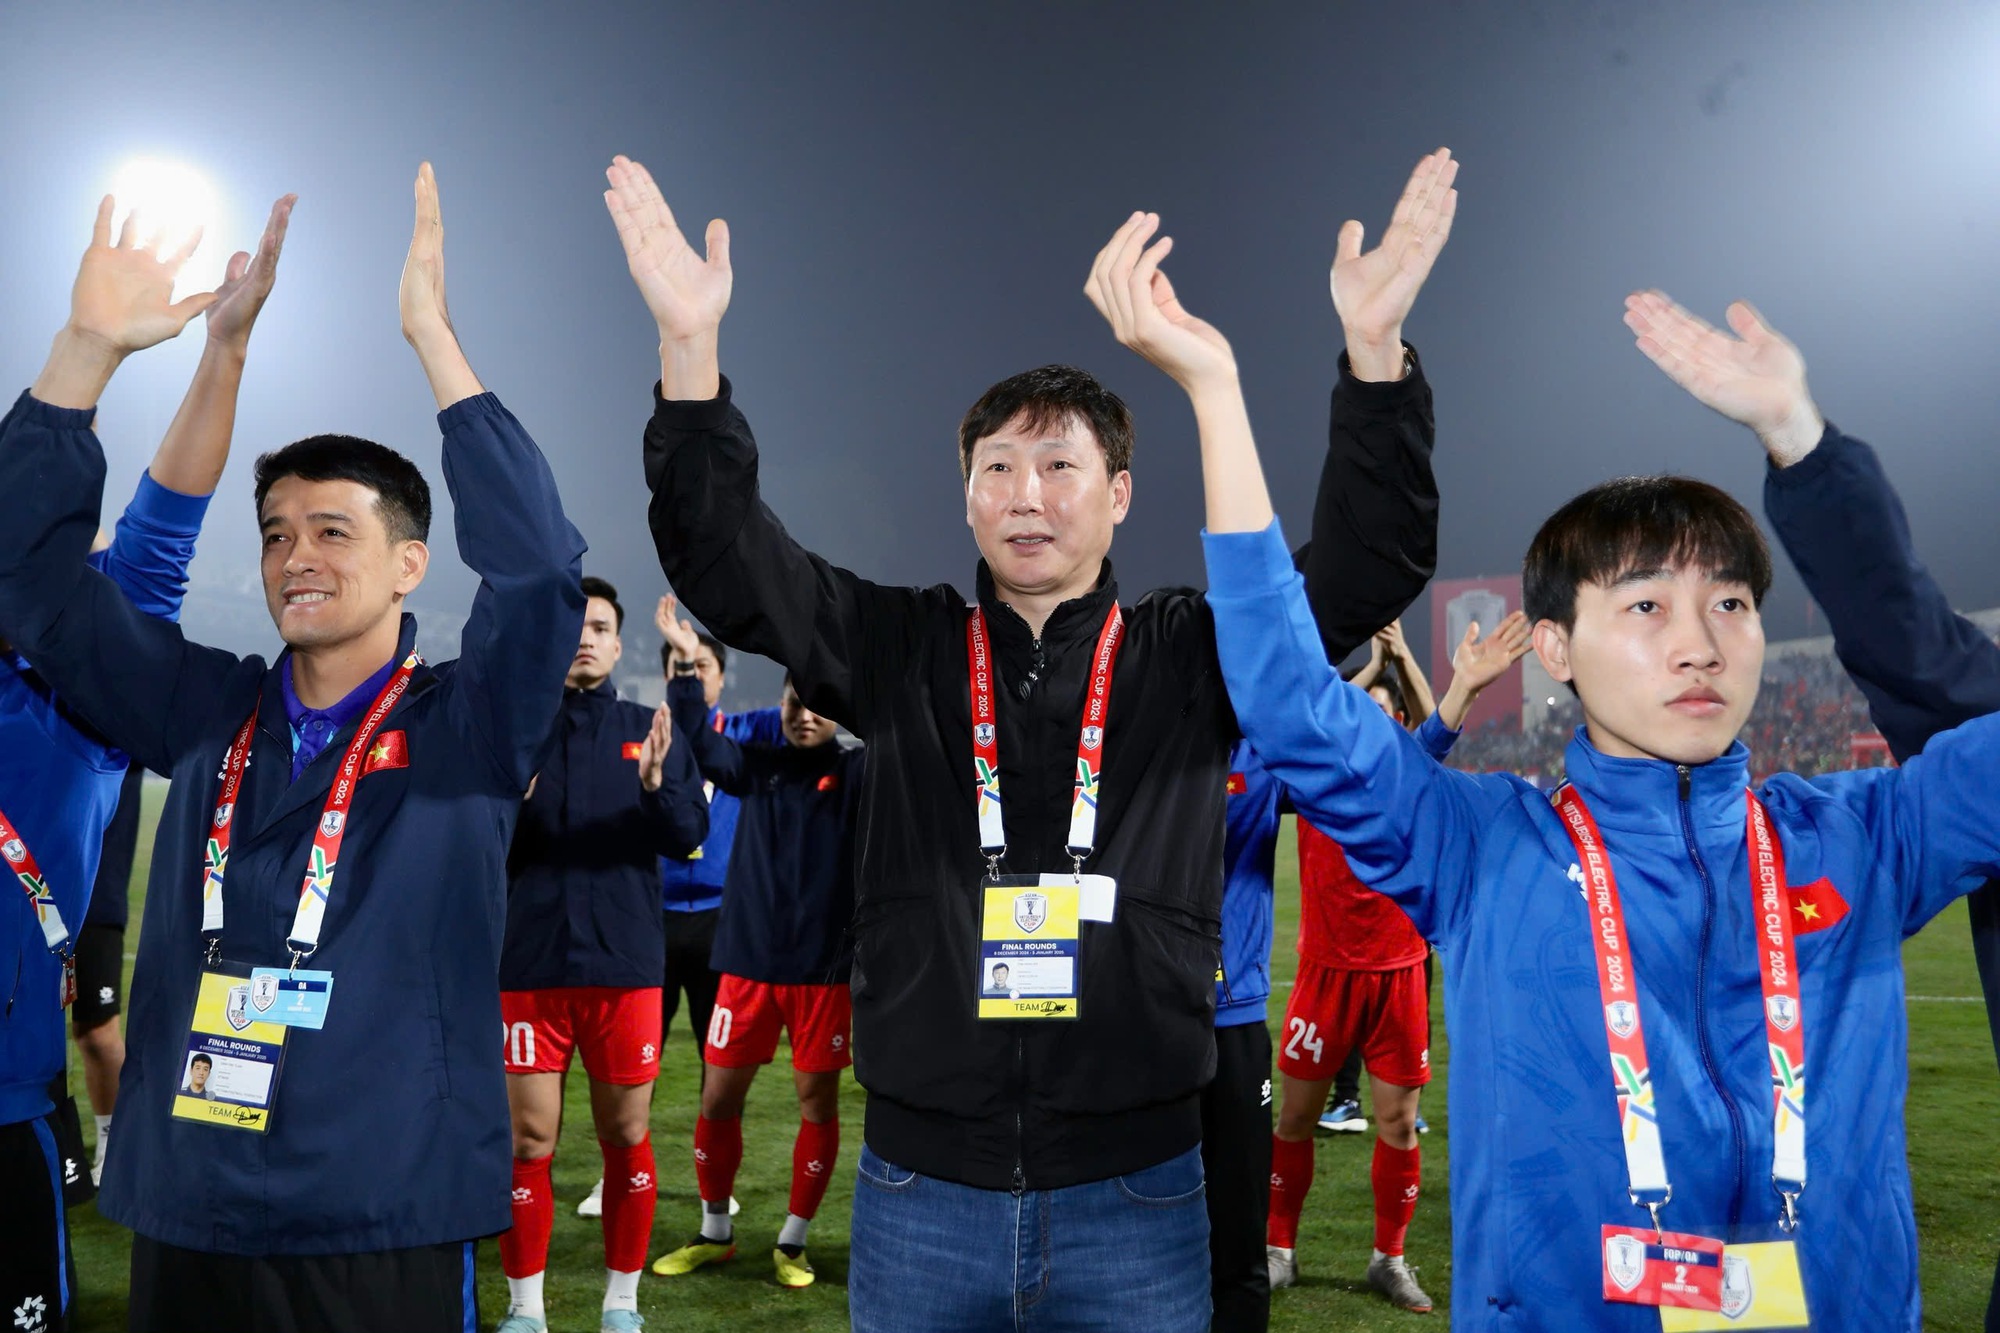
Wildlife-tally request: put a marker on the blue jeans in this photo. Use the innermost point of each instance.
(1126, 1253)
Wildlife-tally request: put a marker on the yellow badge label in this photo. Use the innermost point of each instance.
(1761, 1289)
(1028, 948)
(229, 1069)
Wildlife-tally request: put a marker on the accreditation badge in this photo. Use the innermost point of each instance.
(292, 997)
(229, 1069)
(1761, 1289)
(1028, 947)
(1665, 1268)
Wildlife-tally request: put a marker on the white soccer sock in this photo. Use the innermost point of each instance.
(794, 1230)
(524, 1296)
(103, 1132)
(621, 1290)
(715, 1223)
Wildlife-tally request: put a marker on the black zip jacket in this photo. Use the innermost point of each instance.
(1030, 1105)
(583, 873)
(789, 894)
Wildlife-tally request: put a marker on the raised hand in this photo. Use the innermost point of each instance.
(1135, 297)
(1389, 639)
(248, 281)
(686, 292)
(1479, 662)
(426, 319)
(123, 297)
(1373, 292)
(1756, 378)
(653, 750)
(678, 633)
(421, 297)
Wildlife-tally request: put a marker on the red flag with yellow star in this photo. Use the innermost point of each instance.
(1816, 906)
(391, 749)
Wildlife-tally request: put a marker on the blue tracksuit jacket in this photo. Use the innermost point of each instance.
(59, 783)
(389, 1127)
(1482, 865)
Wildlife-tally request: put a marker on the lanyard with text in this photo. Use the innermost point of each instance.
(1089, 744)
(40, 901)
(311, 913)
(1784, 1024)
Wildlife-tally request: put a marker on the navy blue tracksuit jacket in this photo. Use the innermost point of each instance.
(389, 1126)
(789, 900)
(1923, 668)
(583, 897)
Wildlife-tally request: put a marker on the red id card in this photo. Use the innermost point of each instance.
(1647, 1267)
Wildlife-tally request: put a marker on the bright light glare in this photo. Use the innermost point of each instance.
(172, 199)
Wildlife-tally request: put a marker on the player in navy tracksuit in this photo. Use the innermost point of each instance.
(342, 1187)
(783, 951)
(580, 967)
(60, 780)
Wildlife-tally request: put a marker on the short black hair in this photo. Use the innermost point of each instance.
(402, 496)
(1632, 524)
(596, 587)
(1048, 397)
(200, 1059)
(708, 641)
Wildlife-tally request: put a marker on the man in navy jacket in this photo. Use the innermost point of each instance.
(341, 1172)
(1923, 668)
(580, 967)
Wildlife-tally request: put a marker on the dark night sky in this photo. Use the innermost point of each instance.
(916, 192)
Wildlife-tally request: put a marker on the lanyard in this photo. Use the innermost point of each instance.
(1089, 743)
(41, 901)
(1618, 984)
(311, 913)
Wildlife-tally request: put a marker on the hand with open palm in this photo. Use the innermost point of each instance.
(1134, 295)
(1756, 378)
(1374, 291)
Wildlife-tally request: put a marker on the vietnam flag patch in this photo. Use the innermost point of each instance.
(1816, 906)
(631, 750)
(1238, 784)
(391, 749)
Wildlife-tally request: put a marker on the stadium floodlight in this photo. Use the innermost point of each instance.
(172, 200)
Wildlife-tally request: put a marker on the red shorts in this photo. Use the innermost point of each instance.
(618, 1028)
(1333, 1010)
(743, 1031)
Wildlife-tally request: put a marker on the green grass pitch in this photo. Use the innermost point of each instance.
(1954, 1102)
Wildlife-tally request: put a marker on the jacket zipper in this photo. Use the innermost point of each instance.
(1701, 990)
(1036, 661)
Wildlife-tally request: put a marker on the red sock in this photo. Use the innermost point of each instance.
(718, 1151)
(814, 1152)
(1395, 1175)
(1291, 1180)
(629, 1200)
(524, 1247)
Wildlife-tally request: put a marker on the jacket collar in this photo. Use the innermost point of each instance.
(1644, 795)
(603, 691)
(1072, 620)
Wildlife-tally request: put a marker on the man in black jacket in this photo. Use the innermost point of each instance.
(1059, 1129)
(584, 949)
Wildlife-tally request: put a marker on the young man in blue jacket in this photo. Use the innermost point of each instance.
(582, 957)
(345, 813)
(60, 782)
(783, 951)
(1923, 668)
(1643, 972)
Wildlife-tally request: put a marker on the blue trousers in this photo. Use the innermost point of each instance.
(1127, 1253)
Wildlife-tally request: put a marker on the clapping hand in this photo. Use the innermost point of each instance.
(248, 281)
(123, 297)
(1756, 378)
(1479, 662)
(678, 633)
(1373, 292)
(1134, 295)
(653, 750)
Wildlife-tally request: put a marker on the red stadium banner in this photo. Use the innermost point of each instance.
(1455, 603)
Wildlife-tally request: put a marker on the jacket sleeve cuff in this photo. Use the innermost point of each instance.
(1814, 466)
(693, 415)
(167, 510)
(1436, 738)
(57, 418)
(462, 411)
(1243, 564)
(1382, 396)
